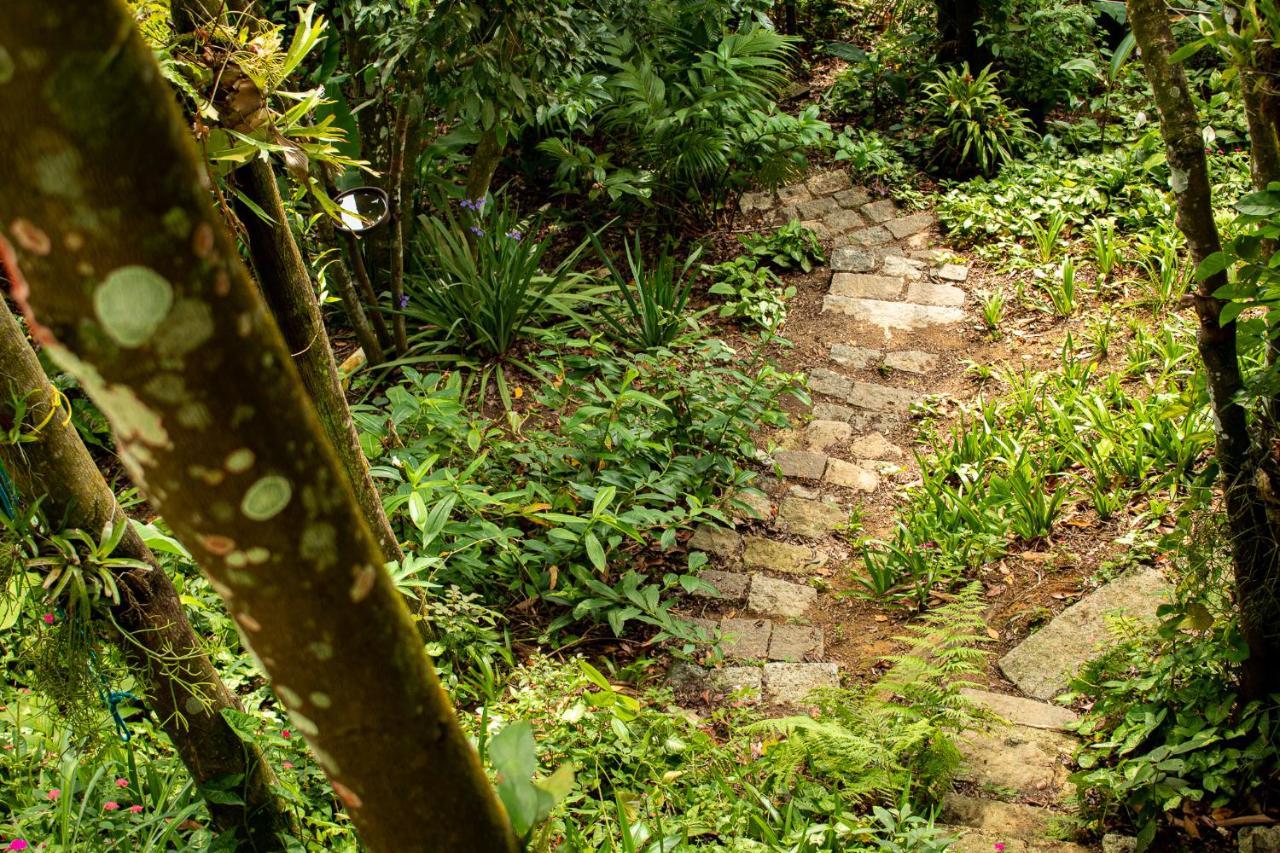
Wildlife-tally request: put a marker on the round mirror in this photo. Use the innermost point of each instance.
(363, 208)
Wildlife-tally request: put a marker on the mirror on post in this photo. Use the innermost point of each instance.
(363, 209)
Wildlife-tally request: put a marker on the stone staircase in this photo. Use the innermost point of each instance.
(1013, 792)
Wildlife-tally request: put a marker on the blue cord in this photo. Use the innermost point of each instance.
(8, 495)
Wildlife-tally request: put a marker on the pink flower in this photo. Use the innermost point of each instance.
(48, 620)
(999, 847)
(135, 809)
(286, 734)
(110, 806)
(287, 765)
(122, 783)
(54, 793)
(17, 844)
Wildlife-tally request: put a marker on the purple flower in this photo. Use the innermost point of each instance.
(514, 235)
(475, 205)
(476, 230)
(404, 300)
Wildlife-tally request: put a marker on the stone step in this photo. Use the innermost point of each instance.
(1022, 712)
(728, 586)
(906, 316)
(905, 226)
(720, 541)
(791, 683)
(761, 639)
(817, 436)
(866, 286)
(773, 597)
(778, 683)
(1016, 762)
(1043, 664)
(853, 259)
(811, 519)
(863, 395)
(851, 475)
(911, 361)
(800, 464)
(975, 841)
(931, 293)
(1012, 820)
(784, 557)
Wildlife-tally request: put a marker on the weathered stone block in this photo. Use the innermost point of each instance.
(745, 639)
(869, 238)
(865, 286)
(791, 683)
(730, 586)
(829, 182)
(929, 293)
(952, 272)
(756, 201)
(814, 519)
(905, 267)
(851, 476)
(880, 211)
(802, 464)
(817, 208)
(780, 598)
(852, 259)
(909, 316)
(715, 540)
(842, 221)
(824, 381)
(852, 198)
(881, 398)
(875, 446)
(911, 361)
(795, 643)
(782, 557)
(859, 358)
(908, 225)
(793, 194)
(822, 434)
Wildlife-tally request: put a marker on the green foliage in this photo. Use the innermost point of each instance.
(558, 511)
(974, 128)
(655, 297)
(1002, 475)
(792, 246)
(1046, 49)
(1166, 729)
(870, 87)
(752, 292)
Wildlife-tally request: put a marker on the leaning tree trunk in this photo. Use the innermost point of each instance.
(1253, 535)
(484, 163)
(283, 277)
(134, 286)
(958, 33)
(182, 686)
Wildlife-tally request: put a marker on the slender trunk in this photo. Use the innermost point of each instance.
(396, 180)
(365, 294)
(182, 686)
(1253, 540)
(958, 33)
(145, 300)
(351, 302)
(283, 277)
(484, 163)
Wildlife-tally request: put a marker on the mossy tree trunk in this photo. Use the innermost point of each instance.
(129, 280)
(283, 277)
(182, 686)
(1255, 551)
(484, 164)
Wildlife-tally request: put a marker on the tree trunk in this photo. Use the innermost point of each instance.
(182, 686)
(1253, 540)
(351, 302)
(134, 286)
(283, 277)
(484, 163)
(958, 33)
(365, 294)
(396, 180)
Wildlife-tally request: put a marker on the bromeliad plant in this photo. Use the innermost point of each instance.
(974, 128)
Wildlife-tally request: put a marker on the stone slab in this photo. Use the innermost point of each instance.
(745, 639)
(829, 182)
(852, 198)
(783, 557)
(730, 586)
(801, 464)
(819, 227)
(1044, 663)
(1022, 711)
(822, 434)
(908, 316)
(817, 208)
(1017, 761)
(757, 505)
(907, 225)
(780, 598)
(930, 293)
(715, 540)
(880, 211)
(911, 361)
(869, 238)
(841, 221)
(993, 816)
(881, 398)
(853, 259)
(866, 286)
(755, 201)
(851, 476)
(905, 267)
(795, 643)
(790, 683)
(824, 381)
(793, 194)
(875, 446)
(952, 272)
(813, 519)
(1259, 839)
(859, 358)
(968, 840)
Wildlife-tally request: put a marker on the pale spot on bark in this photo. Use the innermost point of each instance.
(7, 66)
(303, 723)
(217, 544)
(266, 498)
(361, 586)
(30, 237)
(73, 240)
(249, 623)
(202, 240)
(1178, 179)
(321, 650)
(131, 303)
(189, 326)
(258, 555)
(319, 544)
(237, 560)
(325, 759)
(349, 797)
(287, 695)
(239, 461)
(320, 700)
(194, 705)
